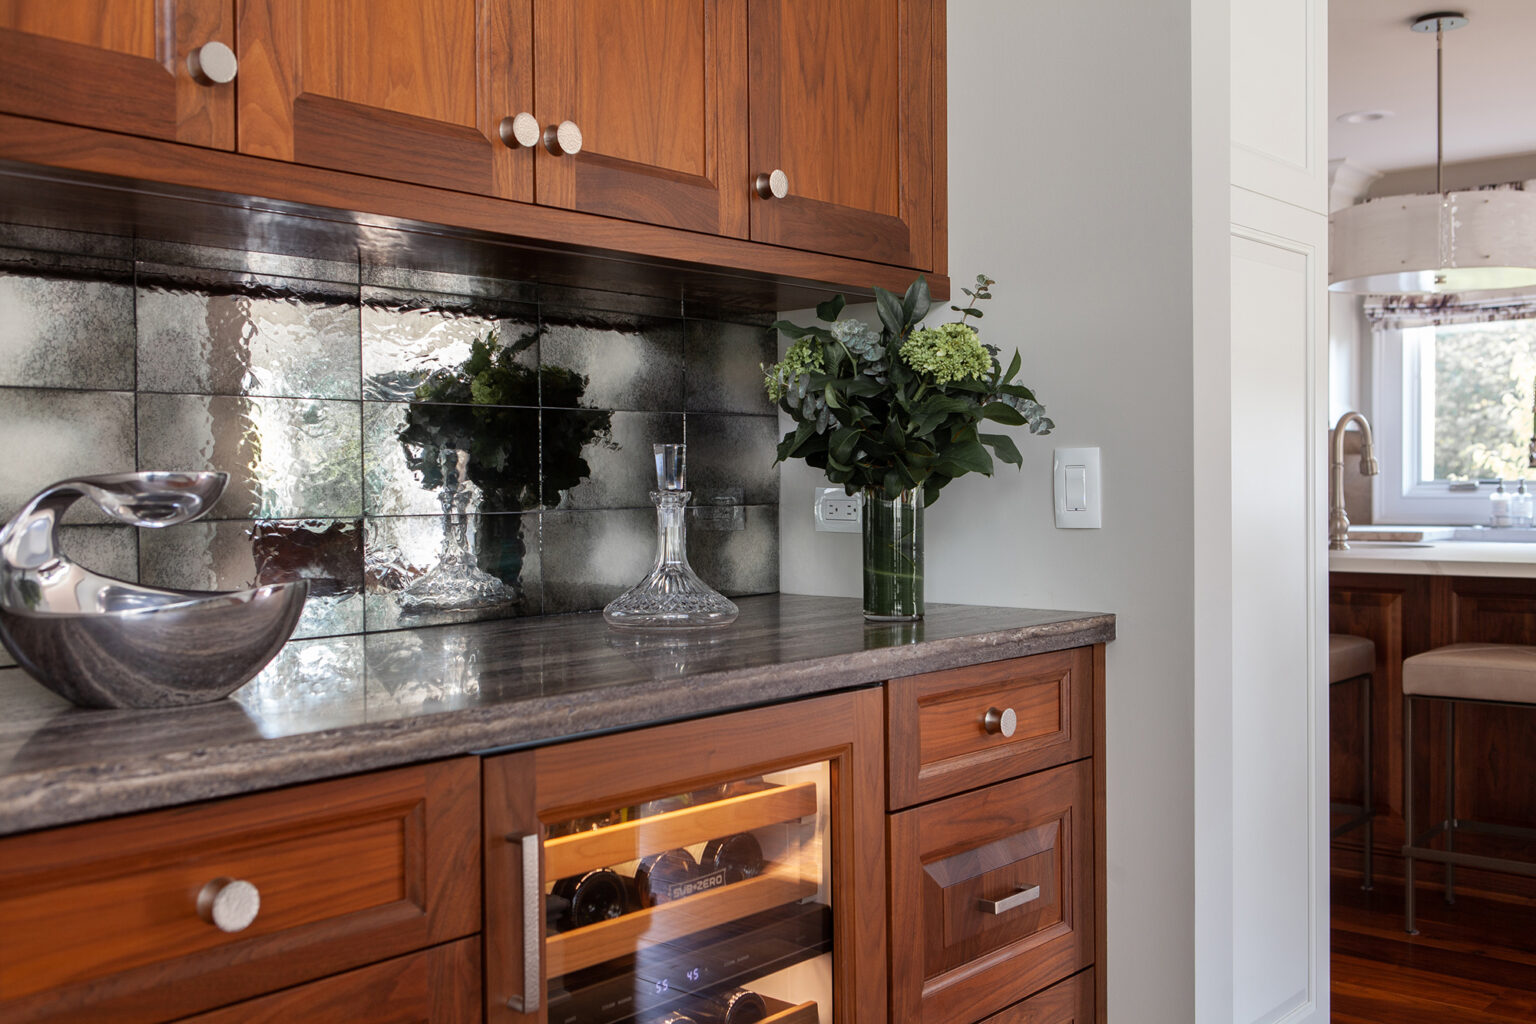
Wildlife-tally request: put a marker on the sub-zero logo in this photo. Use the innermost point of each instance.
(713, 880)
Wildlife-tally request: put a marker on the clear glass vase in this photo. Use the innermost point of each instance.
(672, 596)
(893, 556)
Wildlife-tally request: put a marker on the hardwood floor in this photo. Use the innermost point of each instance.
(1474, 963)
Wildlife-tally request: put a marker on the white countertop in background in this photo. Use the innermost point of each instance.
(1437, 558)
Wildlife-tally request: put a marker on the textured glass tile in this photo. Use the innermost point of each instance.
(598, 459)
(614, 361)
(403, 446)
(399, 549)
(591, 557)
(727, 454)
(191, 261)
(59, 240)
(52, 435)
(239, 554)
(287, 458)
(315, 682)
(743, 561)
(560, 297)
(725, 363)
(419, 342)
(65, 322)
(394, 275)
(262, 341)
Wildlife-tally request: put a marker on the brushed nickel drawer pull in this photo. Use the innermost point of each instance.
(1000, 721)
(773, 185)
(533, 911)
(229, 904)
(519, 130)
(1025, 894)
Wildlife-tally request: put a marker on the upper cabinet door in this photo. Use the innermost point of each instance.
(411, 90)
(120, 65)
(842, 98)
(657, 90)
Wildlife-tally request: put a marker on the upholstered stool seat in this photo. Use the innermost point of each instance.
(1351, 658)
(1488, 674)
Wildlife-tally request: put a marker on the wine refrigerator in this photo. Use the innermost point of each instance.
(715, 871)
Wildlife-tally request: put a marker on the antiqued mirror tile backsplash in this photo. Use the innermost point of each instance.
(353, 404)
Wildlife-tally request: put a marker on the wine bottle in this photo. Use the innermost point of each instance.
(740, 856)
(738, 1006)
(599, 895)
(664, 876)
(677, 1017)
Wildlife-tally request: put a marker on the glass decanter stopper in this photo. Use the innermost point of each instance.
(672, 596)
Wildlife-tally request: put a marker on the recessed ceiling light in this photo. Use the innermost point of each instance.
(1363, 116)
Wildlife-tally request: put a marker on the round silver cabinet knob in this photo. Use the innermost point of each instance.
(520, 130)
(229, 904)
(213, 64)
(1002, 721)
(773, 185)
(563, 138)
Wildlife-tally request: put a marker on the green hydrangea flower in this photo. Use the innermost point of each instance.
(803, 357)
(947, 352)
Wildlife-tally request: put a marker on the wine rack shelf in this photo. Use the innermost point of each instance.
(784, 1013)
(631, 840)
(622, 936)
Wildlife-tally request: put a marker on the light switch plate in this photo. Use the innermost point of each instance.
(1078, 500)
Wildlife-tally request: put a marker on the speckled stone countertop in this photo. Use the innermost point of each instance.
(338, 705)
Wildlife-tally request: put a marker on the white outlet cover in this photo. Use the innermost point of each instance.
(826, 524)
(1078, 499)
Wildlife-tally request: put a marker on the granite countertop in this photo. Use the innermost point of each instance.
(338, 705)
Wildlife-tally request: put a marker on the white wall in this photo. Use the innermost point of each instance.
(1070, 183)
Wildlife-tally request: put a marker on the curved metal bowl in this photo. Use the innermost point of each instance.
(169, 649)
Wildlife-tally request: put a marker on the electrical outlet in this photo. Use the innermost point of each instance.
(838, 512)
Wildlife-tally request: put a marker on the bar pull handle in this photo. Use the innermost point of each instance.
(1025, 894)
(533, 912)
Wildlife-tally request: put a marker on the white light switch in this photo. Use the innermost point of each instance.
(1078, 503)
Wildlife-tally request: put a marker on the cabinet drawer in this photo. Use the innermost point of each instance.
(435, 986)
(101, 922)
(938, 731)
(1066, 1002)
(991, 895)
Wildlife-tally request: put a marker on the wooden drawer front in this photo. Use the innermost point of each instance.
(936, 723)
(436, 986)
(953, 961)
(1066, 1002)
(100, 921)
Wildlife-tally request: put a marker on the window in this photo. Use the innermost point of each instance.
(1462, 394)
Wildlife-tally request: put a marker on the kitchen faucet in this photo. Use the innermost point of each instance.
(1338, 519)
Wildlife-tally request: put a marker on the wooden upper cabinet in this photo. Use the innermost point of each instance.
(410, 90)
(119, 65)
(658, 91)
(842, 101)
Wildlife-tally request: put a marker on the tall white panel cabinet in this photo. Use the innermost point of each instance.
(1264, 828)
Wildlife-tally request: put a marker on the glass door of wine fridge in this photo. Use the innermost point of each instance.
(690, 874)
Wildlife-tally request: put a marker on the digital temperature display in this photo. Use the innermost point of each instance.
(687, 978)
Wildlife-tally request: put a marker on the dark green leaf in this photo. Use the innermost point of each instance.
(831, 309)
(1003, 447)
(790, 330)
(972, 311)
(893, 485)
(889, 308)
(842, 443)
(999, 412)
(968, 457)
(916, 303)
(1013, 367)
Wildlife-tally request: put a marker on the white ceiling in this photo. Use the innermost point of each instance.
(1375, 62)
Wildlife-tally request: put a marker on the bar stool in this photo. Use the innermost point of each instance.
(1500, 675)
(1351, 658)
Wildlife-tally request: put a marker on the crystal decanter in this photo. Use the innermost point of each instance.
(672, 596)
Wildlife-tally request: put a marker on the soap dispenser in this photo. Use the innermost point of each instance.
(1499, 506)
(1522, 506)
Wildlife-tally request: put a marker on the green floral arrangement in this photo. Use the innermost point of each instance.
(899, 409)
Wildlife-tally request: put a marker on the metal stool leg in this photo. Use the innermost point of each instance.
(1367, 683)
(1408, 816)
(1450, 798)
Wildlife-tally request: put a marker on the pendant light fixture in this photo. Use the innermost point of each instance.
(1448, 242)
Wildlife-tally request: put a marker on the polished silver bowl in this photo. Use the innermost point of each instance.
(104, 643)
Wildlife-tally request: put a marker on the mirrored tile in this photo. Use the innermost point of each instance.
(238, 554)
(739, 562)
(264, 339)
(405, 445)
(310, 685)
(612, 361)
(400, 550)
(727, 453)
(287, 458)
(598, 459)
(379, 272)
(52, 435)
(596, 299)
(419, 346)
(191, 260)
(591, 557)
(725, 363)
(66, 326)
(59, 240)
